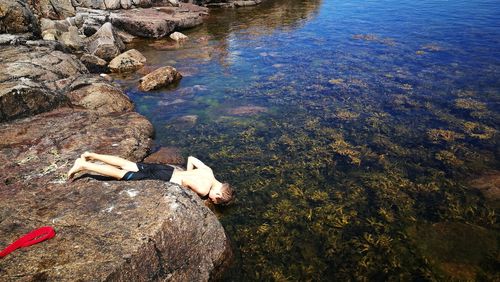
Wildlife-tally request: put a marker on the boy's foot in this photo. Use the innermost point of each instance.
(87, 156)
(78, 166)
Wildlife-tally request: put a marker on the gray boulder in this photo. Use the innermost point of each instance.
(144, 23)
(72, 39)
(29, 77)
(112, 4)
(16, 17)
(142, 3)
(126, 4)
(93, 4)
(174, 3)
(102, 98)
(125, 36)
(25, 97)
(59, 25)
(12, 39)
(50, 35)
(105, 43)
(53, 9)
(127, 61)
(91, 20)
(246, 3)
(157, 23)
(94, 64)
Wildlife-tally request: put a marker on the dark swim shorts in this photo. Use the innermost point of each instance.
(150, 171)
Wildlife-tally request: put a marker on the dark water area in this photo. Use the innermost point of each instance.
(351, 131)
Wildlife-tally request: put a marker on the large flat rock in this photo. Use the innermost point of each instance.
(38, 150)
(158, 22)
(116, 231)
(106, 229)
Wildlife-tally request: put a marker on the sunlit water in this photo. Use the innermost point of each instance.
(350, 130)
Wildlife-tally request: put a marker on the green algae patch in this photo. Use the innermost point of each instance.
(478, 130)
(436, 135)
(469, 104)
(346, 115)
(449, 158)
(336, 81)
(334, 197)
(457, 250)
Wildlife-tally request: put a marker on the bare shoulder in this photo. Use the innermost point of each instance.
(205, 170)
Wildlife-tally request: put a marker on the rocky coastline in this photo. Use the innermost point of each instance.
(56, 101)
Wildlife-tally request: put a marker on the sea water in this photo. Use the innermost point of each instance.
(354, 133)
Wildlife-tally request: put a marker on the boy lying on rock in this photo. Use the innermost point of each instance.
(197, 176)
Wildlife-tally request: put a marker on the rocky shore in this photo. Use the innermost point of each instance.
(55, 103)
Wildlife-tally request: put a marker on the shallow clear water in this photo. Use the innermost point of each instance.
(350, 130)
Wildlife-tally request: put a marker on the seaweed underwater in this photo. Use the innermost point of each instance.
(323, 199)
(351, 163)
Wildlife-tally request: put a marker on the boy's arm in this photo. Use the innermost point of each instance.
(193, 162)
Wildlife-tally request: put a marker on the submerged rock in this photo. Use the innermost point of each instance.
(182, 122)
(127, 61)
(166, 155)
(456, 249)
(159, 78)
(191, 119)
(247, 110)
(489, 185)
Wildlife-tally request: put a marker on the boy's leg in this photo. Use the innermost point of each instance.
(106, 170)
(112, 160)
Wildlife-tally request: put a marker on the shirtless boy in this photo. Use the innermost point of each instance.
(197, 176)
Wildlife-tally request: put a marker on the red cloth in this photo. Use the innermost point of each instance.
(34, 237)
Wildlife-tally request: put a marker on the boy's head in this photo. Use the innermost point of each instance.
(221, 194)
